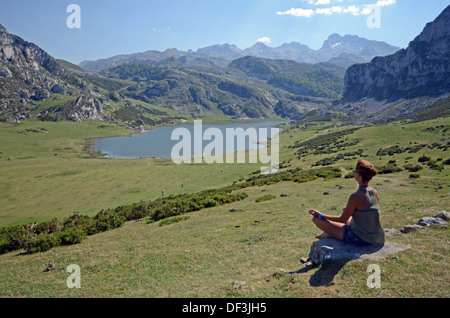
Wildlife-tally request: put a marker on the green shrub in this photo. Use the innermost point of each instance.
(41, 243)
(329, 174)
(266, 197)
(434, 165)
(136, 211)
(73, 235)
(412, 168)
(424, 159)
(83, 221)
(389, 151)
(172, 220)
(4, 244)
(13, 238)
(349, 175)
(48, 227)
(107, 220)
(414, 176)
(389, 168)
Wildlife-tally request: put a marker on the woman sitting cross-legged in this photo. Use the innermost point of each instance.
(359, 223)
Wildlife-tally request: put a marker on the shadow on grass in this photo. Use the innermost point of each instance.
(325, 274)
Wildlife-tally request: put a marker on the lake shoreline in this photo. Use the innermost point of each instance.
(96, 145)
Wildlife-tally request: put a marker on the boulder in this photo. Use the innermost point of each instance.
(58, 89)
(444, 215)
(332, 249)
(432, 221)
(391, 232)
(410, 228)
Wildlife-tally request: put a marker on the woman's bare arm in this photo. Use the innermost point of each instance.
(346, 214)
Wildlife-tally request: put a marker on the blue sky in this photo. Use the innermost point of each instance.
(112, 27)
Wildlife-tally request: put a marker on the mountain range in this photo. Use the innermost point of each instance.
(340, 50)
(362, 80)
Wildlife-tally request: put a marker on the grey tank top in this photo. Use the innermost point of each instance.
(366, 223)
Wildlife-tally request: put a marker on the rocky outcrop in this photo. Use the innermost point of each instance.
(440, 219)
(83, 108)
(423, 69)
(23, 54)
(331, 249)
(29, 75)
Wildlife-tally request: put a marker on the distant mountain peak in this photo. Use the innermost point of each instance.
(259, 45)
(173, 50)
(335, 40)
(357, 50)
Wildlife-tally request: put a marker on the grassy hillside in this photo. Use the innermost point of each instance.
(47, 172)
(238, 250)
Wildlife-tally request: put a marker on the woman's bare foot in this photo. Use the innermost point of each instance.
(322, 236)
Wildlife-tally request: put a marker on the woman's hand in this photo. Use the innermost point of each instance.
(314, 213)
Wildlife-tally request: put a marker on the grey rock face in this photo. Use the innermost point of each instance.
(423, 69)
(332, 249)
(28, 74)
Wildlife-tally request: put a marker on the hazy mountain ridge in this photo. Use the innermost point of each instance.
(357, 49)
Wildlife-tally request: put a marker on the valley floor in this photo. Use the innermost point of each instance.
(215, 252)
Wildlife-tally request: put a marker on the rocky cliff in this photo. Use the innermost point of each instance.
(423, 69)
(29, 76)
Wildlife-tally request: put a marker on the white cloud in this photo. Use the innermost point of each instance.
(385, 3)
(298, 12)
(264, 39)
(325, 11)
(356, 10)
(319, 2)
(352, 9)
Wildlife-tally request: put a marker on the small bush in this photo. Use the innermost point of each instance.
(108, 220)
(389, 151)
(389, 168)
(48, 227)
(172, 220)
(4, 244)
(434, 165)
(265, 198)
(83, 221)
(41, 243)
(414, 176)
(71, 236)
(13, 238)
(349, 175)
(412, 168)
(424, 159)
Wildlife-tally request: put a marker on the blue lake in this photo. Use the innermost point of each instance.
(157, 142)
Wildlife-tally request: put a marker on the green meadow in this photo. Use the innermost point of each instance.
(249, 248)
